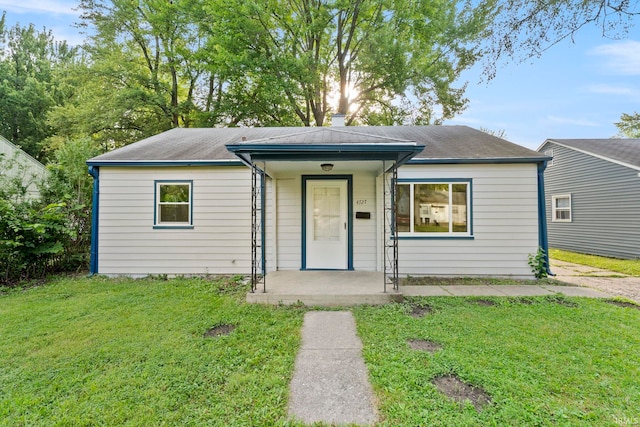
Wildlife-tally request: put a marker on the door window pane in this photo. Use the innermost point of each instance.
(326, 213)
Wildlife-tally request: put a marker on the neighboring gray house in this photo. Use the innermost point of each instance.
(230, 200)
(593, 196)
(28, 169)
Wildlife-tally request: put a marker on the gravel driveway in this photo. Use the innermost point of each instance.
(607, 281)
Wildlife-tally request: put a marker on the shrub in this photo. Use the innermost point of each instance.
(538, 264)
(51, 233)
(31, 237)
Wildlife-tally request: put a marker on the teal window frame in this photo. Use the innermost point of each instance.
(408, 235)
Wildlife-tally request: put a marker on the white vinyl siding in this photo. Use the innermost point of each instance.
(504, 221)
(504, 218)
(289, 222)
(218, 243)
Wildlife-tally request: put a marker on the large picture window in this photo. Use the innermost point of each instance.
(433, 208)
(561, 208)
(173, 203)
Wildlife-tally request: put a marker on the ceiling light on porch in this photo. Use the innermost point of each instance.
(327, 167)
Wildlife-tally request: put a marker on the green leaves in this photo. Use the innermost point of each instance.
(30, 62)
(629, 125)
(538, 263)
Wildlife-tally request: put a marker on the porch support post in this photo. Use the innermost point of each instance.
(390, 242)
(258, 262)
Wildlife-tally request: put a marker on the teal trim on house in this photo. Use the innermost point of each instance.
(94, 171)
(460, 236)
(349, 179)
(543, 241)
(439, 237)
(398, 152)
(157, 163)
(487, 160)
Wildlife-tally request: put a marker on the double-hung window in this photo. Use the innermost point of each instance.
(433, 208)
(561, 208)
(173, 204)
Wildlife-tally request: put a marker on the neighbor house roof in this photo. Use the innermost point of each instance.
(622, 151)
(201, 145)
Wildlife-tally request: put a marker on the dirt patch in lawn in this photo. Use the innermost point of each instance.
(456, 389)
(219, 330)
(485, 302)
(424, 345)
(420, 310)
(623, 304)
(561, 300)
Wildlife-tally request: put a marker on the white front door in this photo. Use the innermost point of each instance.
(326, 223)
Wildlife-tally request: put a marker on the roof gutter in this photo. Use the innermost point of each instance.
(162, 163)
(484, 160)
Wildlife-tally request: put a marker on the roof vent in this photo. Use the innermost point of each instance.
(337, 120)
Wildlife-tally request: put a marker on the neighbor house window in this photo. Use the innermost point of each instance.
(433, 208)
(173, 203)
(561, 208)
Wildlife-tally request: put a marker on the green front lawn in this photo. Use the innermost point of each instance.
(133, 352)
(625, 266)
(542, 362)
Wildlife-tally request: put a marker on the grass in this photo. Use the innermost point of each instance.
(132, 352)
(123, 352)
(542, 362)
(625, 266)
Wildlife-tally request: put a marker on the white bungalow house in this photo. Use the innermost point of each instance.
(420, 200)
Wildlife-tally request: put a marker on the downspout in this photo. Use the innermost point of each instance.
(543, 241)
(94, 171)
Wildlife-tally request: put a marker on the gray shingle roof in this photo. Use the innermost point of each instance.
(208, 144)
(621, 150)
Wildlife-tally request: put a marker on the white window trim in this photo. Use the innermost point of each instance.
(156, 221)
(450, 233)
(554, 209)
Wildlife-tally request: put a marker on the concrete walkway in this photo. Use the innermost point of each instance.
(501, 291)
(613, 283)
(330, 382)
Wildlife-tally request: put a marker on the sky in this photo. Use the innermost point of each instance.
(576, 89)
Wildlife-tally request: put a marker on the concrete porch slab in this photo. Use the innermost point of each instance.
(324, 288)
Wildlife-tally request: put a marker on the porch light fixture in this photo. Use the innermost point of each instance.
(327, 167)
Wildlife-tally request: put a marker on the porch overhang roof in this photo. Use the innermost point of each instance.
(398, 153)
